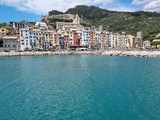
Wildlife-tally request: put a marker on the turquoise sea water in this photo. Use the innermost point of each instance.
(79, 87)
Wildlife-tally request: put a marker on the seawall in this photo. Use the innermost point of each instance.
(133, 53)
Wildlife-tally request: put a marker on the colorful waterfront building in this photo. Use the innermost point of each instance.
(103, 40)
(28, 39)
(86, 36)
(76, 38)
(93, 38)
(116, 39)
(70, 35)
(32, 39)
(110, 41)
(25, 38)
(10, 43)
(98, 37)
(137, 42)
(3, 32)
(129, 43)
(56, 40)
(40, 37)
(122, 42)
(66, 41)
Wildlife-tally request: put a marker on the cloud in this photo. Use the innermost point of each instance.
(140, 2)
(153, 6)
(43, 6)
(148, 5)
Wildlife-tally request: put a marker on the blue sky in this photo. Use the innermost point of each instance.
(31, 10)
(11, 14)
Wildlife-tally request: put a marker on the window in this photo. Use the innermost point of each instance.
(8, 45)
(26, 43)
(3, 34)
(5, 45)
(14, 46)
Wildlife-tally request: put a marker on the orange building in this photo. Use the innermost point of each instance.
(76, 39)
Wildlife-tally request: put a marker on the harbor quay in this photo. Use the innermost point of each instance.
(132, 53)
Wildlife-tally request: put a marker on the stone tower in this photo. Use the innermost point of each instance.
(77, 19)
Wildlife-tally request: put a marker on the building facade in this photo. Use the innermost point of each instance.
(3, 32)
(10, 43)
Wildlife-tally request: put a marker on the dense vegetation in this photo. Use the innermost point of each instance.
(52, 21)
(130, 22)
(54, 12)
(155, 43)
(5, 25)
(91, 12)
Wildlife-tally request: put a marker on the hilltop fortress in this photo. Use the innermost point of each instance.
(70, 21)
(76, 19)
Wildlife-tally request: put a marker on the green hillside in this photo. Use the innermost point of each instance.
(130, 22)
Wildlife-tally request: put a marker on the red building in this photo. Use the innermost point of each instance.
(76, 38)
(66, 41)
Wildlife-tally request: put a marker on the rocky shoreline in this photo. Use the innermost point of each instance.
(133, 53)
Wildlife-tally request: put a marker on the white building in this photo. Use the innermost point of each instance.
(41, 25)
(70, 37)
(98, 37)
(24, 38)
(27, 39)
(85, 41)
(110, 40)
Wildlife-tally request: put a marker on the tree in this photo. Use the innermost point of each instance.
(3, 24)
(155, 43)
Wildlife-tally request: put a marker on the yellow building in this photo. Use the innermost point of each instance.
(3, 32)
(116, 38)
(56, 40)
(129, 42)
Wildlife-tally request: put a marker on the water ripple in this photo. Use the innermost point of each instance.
(79, 87)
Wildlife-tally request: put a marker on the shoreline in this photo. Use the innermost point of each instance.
(131, 53)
